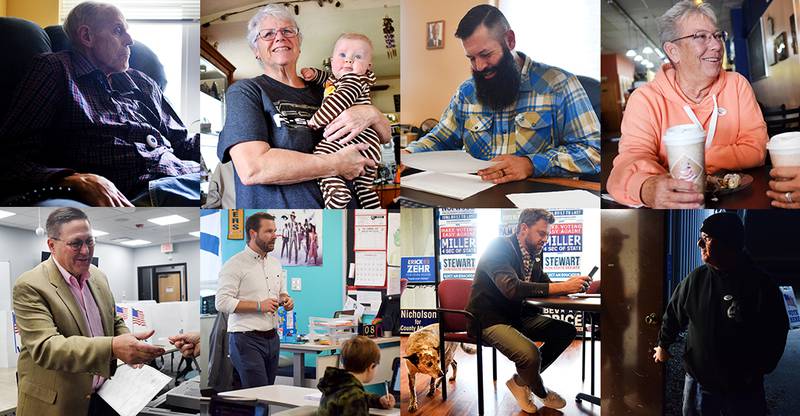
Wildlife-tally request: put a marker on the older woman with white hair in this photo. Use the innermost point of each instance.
(266, 133)
(690, 89)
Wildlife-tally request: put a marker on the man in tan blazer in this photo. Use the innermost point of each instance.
(71, 336)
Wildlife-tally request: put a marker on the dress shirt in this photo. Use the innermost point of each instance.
(552, 123)
(67, 116)
(250, 276)
(79, 286)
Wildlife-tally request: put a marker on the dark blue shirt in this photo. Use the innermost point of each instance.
(264, 109)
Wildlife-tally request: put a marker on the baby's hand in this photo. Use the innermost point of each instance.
(308, 73)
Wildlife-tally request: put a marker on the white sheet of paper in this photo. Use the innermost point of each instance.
(129, 391)
(393, 280)
(351, 305)
(419, 297)
(371, 299)
(446, 161)
(370, 268)
(452, 185)
(577, 198)
(393, 239)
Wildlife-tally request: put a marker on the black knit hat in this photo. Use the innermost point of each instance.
(725, 226)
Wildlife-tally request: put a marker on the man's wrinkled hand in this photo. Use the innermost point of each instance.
(131, 350)
(96, 190)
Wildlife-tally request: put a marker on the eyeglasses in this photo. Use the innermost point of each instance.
(287, 32)
(703, 241)
(78, 244)
(704, 36)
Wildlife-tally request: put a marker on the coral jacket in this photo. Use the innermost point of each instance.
(738, 143)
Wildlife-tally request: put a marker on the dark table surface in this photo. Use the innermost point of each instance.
(495, 197)
(753, 197)
(566, 302)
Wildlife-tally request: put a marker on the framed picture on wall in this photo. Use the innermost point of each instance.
(780, 47)
(435, 35)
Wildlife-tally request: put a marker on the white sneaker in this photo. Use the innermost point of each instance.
(553, 400)
(523, 396)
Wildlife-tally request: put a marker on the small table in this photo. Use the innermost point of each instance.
(291, 396)
(583, 305)
(495, 197)
(299, 355)
(752, 197)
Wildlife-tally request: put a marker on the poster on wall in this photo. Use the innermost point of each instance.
(418, 269)
(299, 241)
(564, 249)
(458, 245)
(236, 224)
(417, 308)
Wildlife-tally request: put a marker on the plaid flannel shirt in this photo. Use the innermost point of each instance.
(68, 117)
(552, 123)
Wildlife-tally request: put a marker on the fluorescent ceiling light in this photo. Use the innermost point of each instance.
(647, 50)
(98, 233)
(195, 234)
(637, 58)
(631, 53)
(168, 220)
(4, 214)
(135, 242)
(659, 53)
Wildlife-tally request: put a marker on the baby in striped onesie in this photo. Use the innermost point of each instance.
(348, 85)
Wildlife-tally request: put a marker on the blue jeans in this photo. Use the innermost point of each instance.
(177, 191)
(255, 358)
(749, 401)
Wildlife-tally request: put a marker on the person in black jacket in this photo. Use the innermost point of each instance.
(737, 325)
(509, 272)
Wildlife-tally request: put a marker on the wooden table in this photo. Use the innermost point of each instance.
(495, 197)
(299, 352)
(753, 197)
(290, 396)
(583, 305)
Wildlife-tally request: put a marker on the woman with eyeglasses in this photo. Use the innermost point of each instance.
(266, 133)
(691, 89)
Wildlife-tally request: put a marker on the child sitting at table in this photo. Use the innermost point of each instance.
(343, 389)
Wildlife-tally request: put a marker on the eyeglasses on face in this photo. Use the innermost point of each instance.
(705, 36)
(703, 240)
(76, 245)
(287, 32)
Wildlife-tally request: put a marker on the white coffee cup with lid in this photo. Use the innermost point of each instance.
(685, 144)
(784, 149)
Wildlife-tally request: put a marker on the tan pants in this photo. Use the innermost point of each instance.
(516, 342)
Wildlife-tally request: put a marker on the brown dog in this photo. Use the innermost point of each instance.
(422, 356)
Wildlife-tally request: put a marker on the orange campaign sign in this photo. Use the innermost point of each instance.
(235, 224)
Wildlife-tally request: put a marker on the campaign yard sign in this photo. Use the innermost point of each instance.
(418, 269)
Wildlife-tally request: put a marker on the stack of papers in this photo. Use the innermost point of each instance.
(456, 185)
(446, 161)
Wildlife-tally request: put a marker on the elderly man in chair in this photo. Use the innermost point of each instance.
(84, 123)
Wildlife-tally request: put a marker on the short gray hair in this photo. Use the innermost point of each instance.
(85, 13)
(61, 216)
(530, 216)
(668, 22)
(276, 11)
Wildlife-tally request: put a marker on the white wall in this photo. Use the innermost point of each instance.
(187, 252)
(563, 33)
(117, 263)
